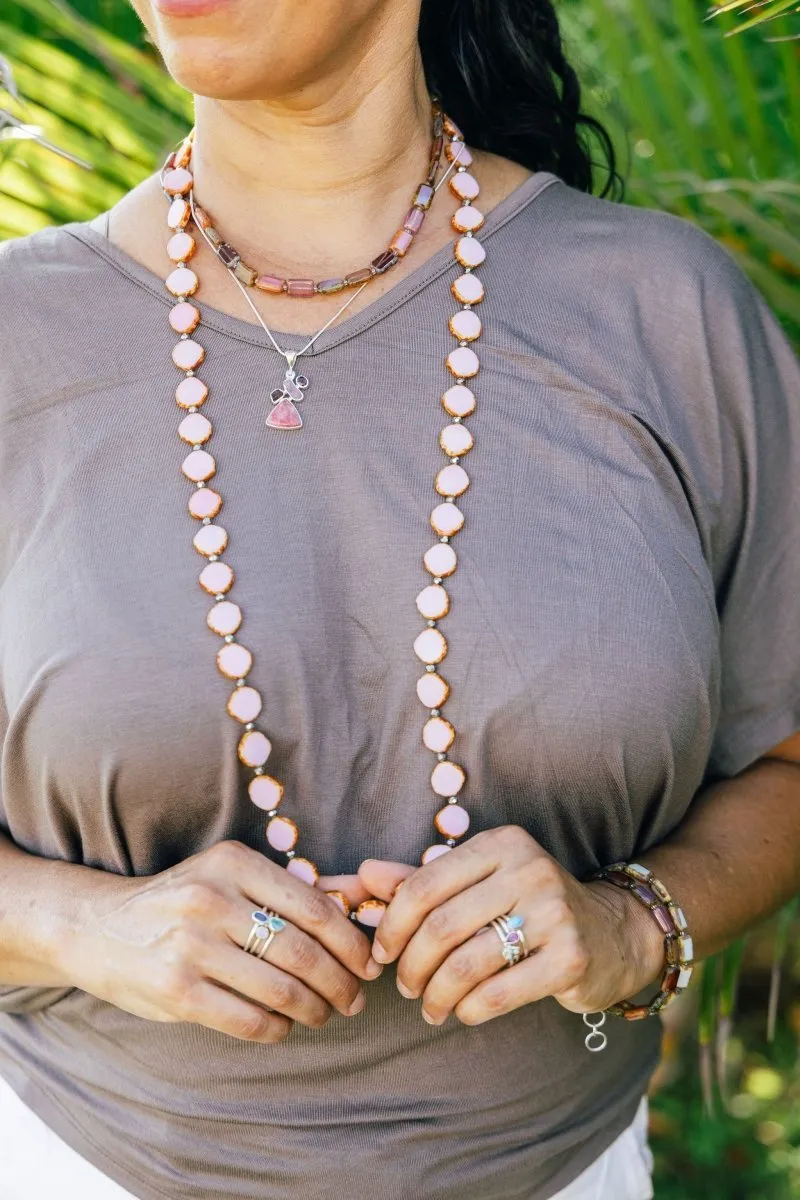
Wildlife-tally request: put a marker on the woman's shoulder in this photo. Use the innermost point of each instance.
(45, 263)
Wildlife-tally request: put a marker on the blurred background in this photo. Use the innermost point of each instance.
(705, 115)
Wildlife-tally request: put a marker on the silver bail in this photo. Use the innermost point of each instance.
(291, 359)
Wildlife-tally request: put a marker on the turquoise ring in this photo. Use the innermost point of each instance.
(265, 925)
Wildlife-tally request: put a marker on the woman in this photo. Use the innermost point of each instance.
(187, 1013)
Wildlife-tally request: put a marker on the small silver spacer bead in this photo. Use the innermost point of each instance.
(240, 682)
(441, 757)
(249, 726)
(430, 667)
(229, 638)
(451, 499)
(220, 596)
(456, 421)
(206, 520)
(273, 812)
(189, 374)
(197, 446)
(450, 842)
(200, 483)
(184, 337)
(454, 459)
(353, 916)
(462, 343)
(444, 538)
(437, 579)
(193, 408)
(213, 557)
(435, 712)
(258, 770)
(467, 307)
(431, 624)
(468, 233)
(290, 853)
(467, 270)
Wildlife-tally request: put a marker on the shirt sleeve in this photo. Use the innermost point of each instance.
(755, 540)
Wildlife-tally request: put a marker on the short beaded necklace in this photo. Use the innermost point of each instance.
(234, 659)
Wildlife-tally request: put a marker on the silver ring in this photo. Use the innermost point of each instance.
(509, 930)
(595, 1040)
(262, 932)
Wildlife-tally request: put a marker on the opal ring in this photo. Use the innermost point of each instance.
(262, 932)
(512, 939)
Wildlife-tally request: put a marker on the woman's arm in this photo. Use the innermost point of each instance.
(733, 861)
(168, 947)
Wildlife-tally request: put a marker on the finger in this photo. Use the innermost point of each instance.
(470, 964)
(534, 978)
(427, 888)
(268, 985)
(349, 886)
(215, 1008)
(450, 926)
(307, 907)
(381, 879)
(294, 952)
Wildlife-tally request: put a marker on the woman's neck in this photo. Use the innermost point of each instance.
(319, 178)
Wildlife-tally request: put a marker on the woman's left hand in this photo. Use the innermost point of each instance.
(589, 945)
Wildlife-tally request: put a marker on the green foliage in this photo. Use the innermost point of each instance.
(768, 10)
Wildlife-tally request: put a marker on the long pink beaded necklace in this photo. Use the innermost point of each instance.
(225, 617)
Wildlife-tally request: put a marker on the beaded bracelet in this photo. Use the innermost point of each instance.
(679, 951)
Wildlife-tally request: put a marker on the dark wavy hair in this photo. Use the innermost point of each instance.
(499, 69)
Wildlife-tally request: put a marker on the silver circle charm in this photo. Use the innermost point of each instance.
(595, 1040)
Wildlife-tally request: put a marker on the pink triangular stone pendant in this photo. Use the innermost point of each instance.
(284, 415)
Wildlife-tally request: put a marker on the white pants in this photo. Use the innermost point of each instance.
(36, 1164)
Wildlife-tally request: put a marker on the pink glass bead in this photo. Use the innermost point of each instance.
(447, 778)
(452, 821)
(282, 833)
(284, 415)
(432, 690)
(194, 428)
(303, 868)
(179, 213)
(198, 466)
(187, 354)
(452, 480)
(469, 252)
(661, 917)
(458, 152)
(300, 287)
(204, 502)
(270, 283)
(182, 282)
(459, 400)
(341, 901)
(210, 539)
(216, 577)
(234, 661)
(438, 735)
(191, 392)
(464, 185)
(383, 262)
(370, 913)
(440, 559)
(225, 618)
(452, 130)
(414, 221)
(355, 278)
(456, 440)
(180, 247)
(177, 182)
(244, 703)
(430, 646)
(467, 289)
(446, 519)
(266, 792)
(184, 317)
(434, 852)
(465, 325)
(254, 748)
(424, 196)
(401, 242)
(467, 219)
(433, 602)
(463, 362)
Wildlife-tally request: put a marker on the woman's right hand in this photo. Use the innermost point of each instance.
(168, 947)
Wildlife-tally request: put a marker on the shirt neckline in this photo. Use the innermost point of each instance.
(246, 331)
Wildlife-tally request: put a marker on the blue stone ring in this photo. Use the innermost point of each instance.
(262, 932)
(512, 939)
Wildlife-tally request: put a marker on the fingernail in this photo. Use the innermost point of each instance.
(404, 991)
(379, 953)
(431, 1020)
(373, 969)
(357, 1005)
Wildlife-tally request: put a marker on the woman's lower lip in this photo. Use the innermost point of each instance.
(190, 8)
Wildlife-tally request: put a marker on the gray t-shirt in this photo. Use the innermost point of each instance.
(624, 626)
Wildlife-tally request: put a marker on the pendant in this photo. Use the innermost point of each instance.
(284, 415)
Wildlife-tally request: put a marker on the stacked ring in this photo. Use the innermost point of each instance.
(265, 926)
(509, 931)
